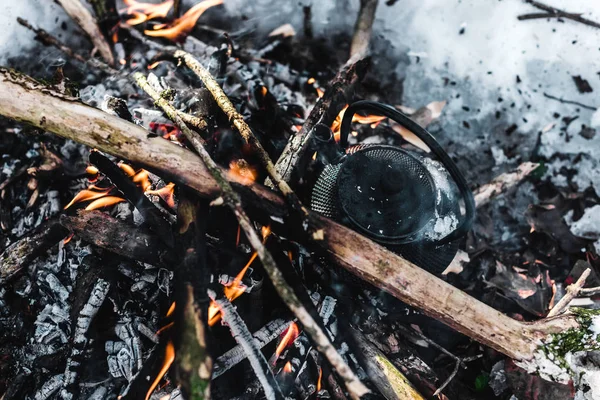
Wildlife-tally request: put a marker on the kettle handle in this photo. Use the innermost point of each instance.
(390, 112)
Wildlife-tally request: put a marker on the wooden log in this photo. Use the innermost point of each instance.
(363, 29)
(109, 233)
(25, 100)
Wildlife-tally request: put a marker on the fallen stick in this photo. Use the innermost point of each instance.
(261, 338)
(232, 200)
(553, 12)
(237, 120)
(333, 100)
(49, 40)
(68, 118)
(502, 183)
(89, 25)
(244, 338)
(363, 29)
(572, 292)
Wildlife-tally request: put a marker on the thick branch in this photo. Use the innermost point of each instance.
(89, 25)
(363, 28)
(359, 255)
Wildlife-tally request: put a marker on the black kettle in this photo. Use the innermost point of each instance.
(401, 199)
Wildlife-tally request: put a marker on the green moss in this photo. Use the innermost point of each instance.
(168, 94)
(573, 339)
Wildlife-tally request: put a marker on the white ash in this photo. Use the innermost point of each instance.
(57, 287)
(588, 226)
(50, 387)
(327, 309)
(498, 381)
(149, 333)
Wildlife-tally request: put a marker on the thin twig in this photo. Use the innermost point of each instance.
(232, 200)
(244, 338)
(572, 292)
(588, 292)
(502, 183)
(237, 120)
(570, 102)
(50, 40)
(89, 25)
(172, 113)
(564, 14)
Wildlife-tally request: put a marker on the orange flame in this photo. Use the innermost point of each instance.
(319, 381)
(290, 335)
(143, 12)
(232, 292)
(141, 178)
(171, 309)
(154, 64)
(128, 169)
(68, 238)
(320, 93)
(311, 80)
(104, 202)
(85, 195)
(166, 193)
(164, 328)
(244, 173)
(169, 357)
(287, 368)
(373, 120)
(183, 25)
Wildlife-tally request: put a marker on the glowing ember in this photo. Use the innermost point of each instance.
(320, 93)
(104, 202)
(243, 172)
(143, 12)
(232, 292)
(169, 357)
(290, 335)
(85, 195)
(263, 91)
(166, 193)
(287, 368)
(91, 170)
(183, 25)
(373, 120)
(237, 237)
(310, 81)
(319, 381)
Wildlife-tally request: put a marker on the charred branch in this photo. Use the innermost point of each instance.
(118, 237)
(327, 107)
(20, 254)
(552, 12)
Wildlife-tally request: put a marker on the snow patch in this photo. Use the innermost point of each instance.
(588, 226)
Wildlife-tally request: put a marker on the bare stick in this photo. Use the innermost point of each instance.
(262, 337)
(66, 117)
(244, 338)
(334, 97)
(49, 40)
(575, 103)
(502, 183)
(572, 292)
(558, 13)
(363, 28)
(89, 25)
(237, 120)
(588, 292)
(232, 200)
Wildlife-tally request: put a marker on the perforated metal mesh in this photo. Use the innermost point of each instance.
(365, 197)
(324, 195)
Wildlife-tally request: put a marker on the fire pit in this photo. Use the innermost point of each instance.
(203, 208)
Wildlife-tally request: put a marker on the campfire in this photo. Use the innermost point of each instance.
(196, 209)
